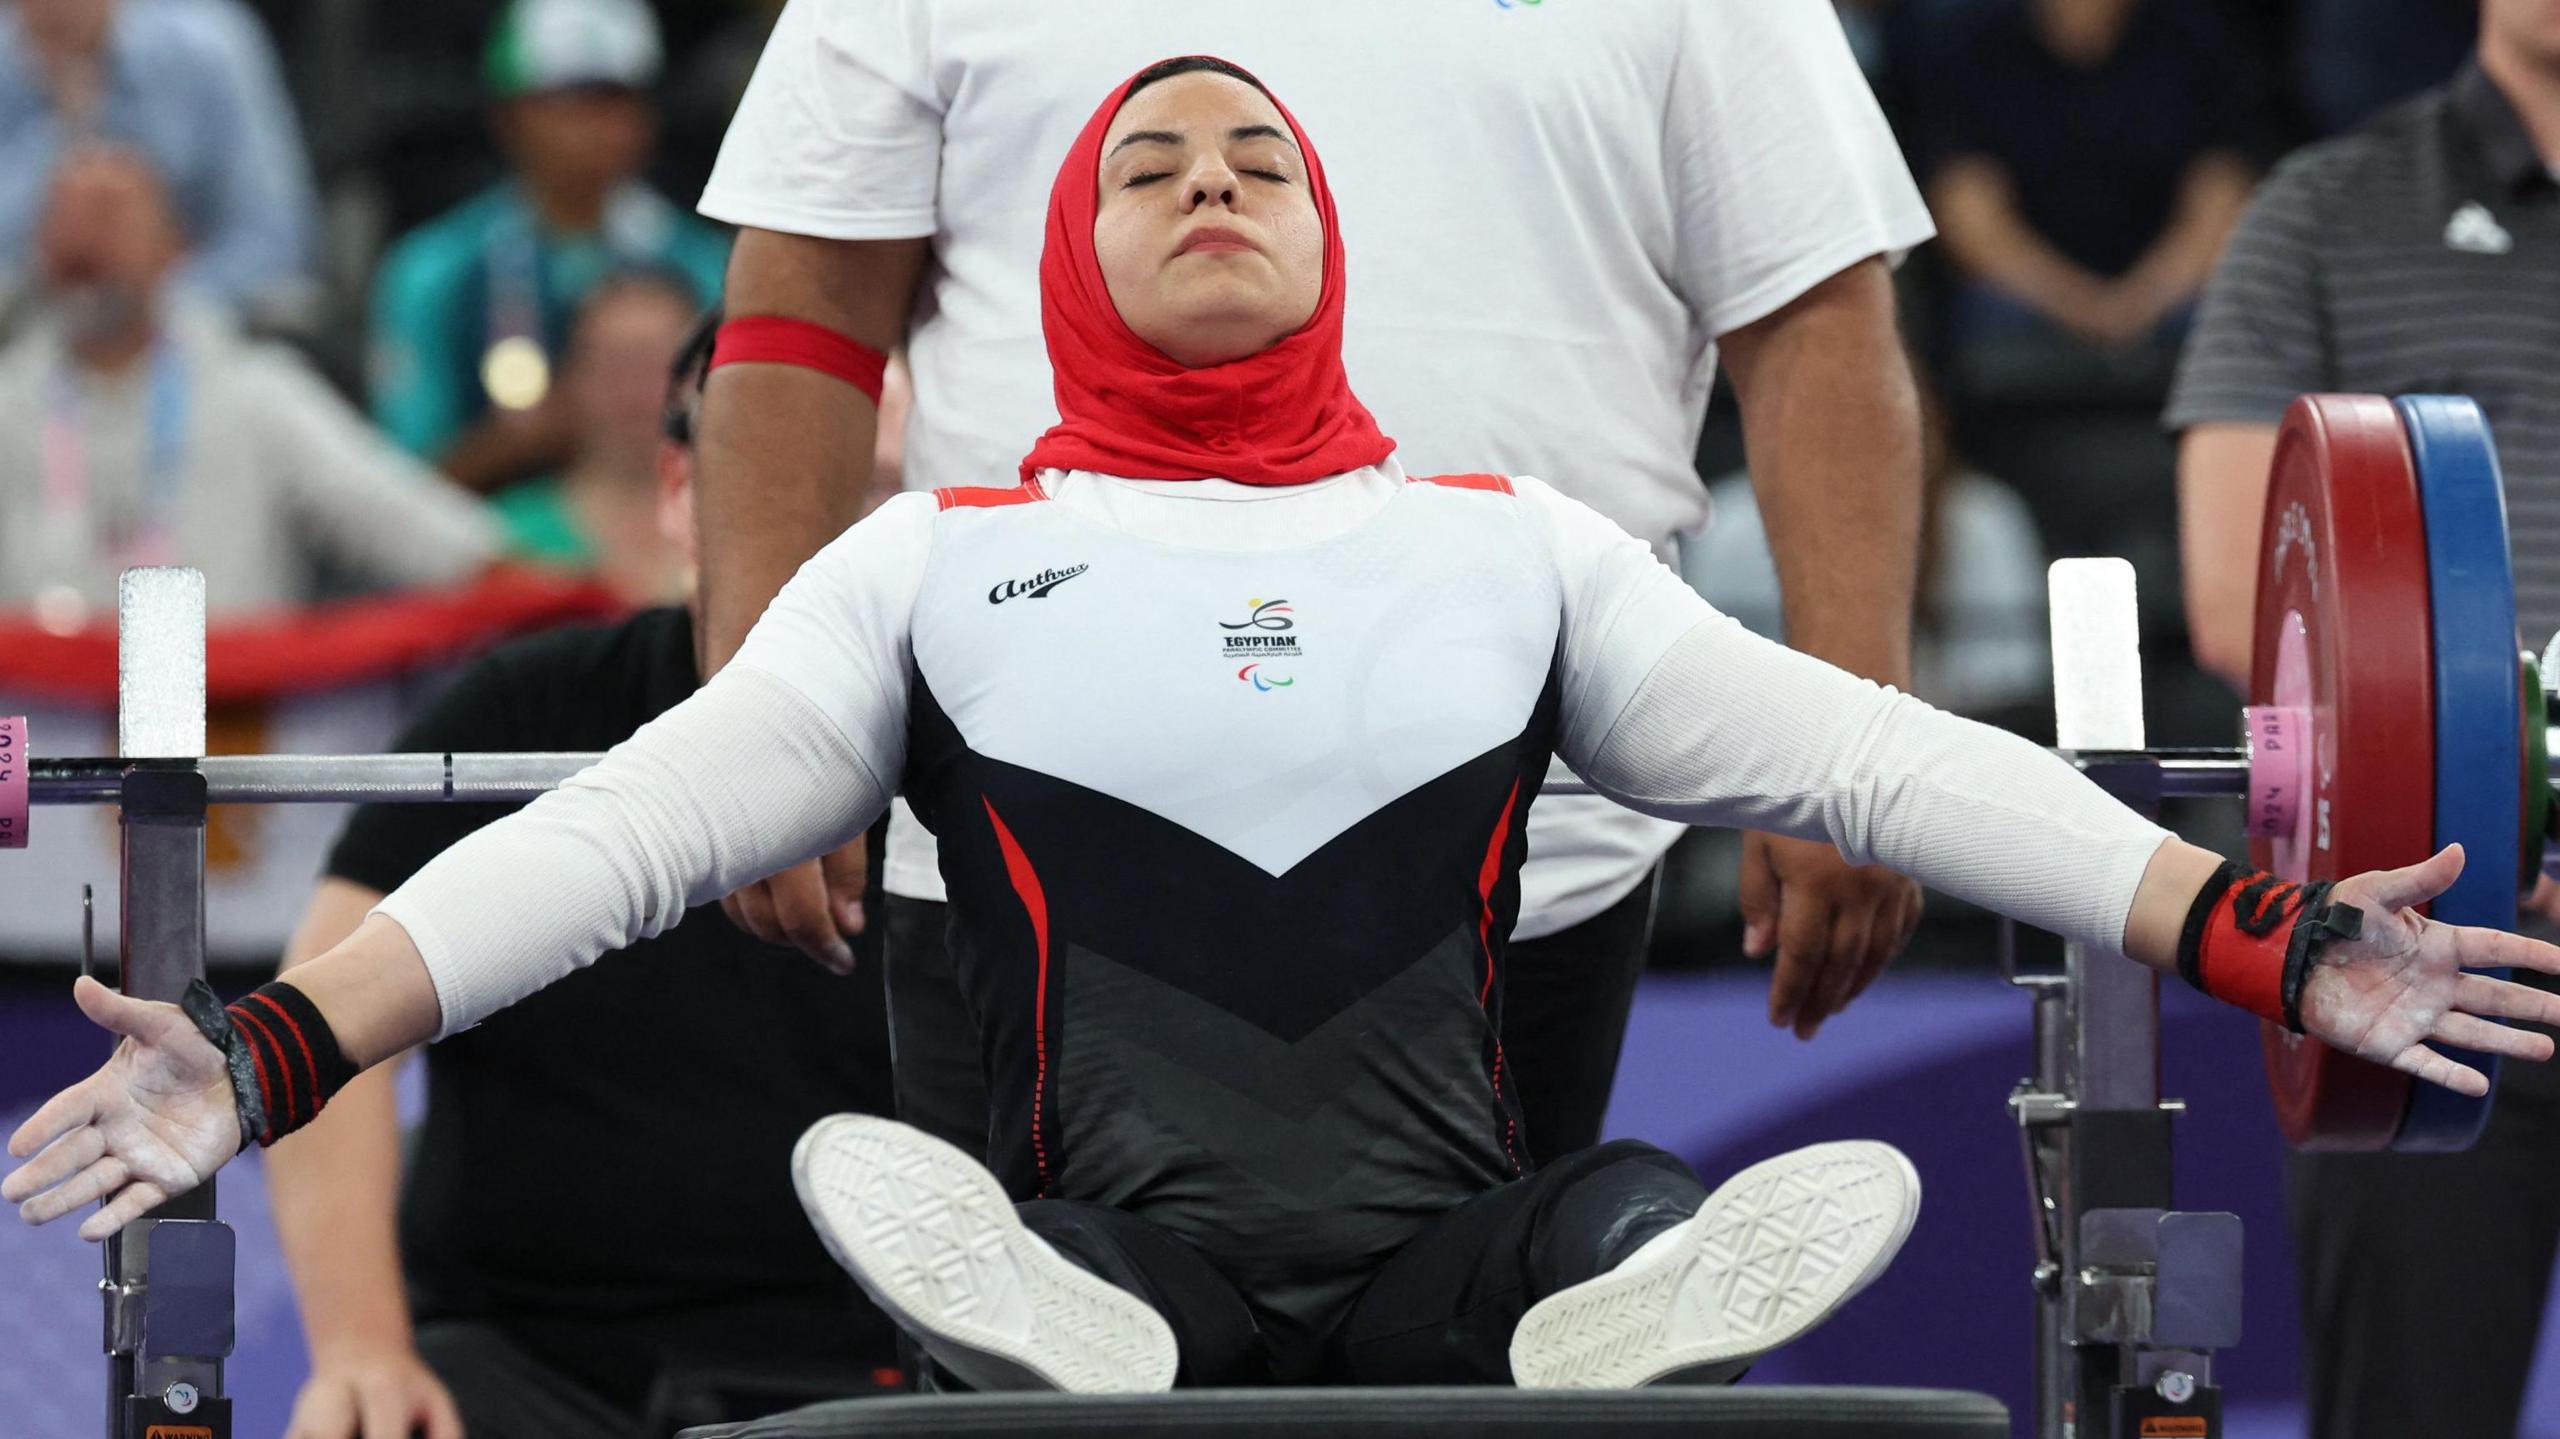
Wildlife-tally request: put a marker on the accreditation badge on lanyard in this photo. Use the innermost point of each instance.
(141, 530)
(516, 369)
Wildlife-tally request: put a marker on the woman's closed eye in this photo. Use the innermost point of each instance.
(1149, 177)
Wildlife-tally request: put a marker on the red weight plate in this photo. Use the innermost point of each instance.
(2343, 627)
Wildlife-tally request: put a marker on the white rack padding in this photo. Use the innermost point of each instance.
(2097, 655)
(159, 663)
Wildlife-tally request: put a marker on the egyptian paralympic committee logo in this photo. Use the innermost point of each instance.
(1263, 635)
(1267, 615)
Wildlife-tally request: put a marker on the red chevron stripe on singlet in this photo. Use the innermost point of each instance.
(1498, 483)
(987, 497)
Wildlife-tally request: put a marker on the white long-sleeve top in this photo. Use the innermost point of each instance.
(1433, 598)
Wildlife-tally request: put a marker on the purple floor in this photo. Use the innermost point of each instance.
(1924, 1062)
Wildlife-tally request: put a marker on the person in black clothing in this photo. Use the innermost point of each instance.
(566, 1275)
(2084, 159)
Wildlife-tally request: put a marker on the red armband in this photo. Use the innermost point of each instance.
(781, 340)
(2250, 939)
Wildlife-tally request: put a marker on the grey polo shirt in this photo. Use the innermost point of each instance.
(2420, 254)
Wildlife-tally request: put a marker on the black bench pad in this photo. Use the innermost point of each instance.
(1738, 1412)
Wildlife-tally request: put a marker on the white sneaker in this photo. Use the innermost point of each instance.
(1768, 1256)
(929, 1235)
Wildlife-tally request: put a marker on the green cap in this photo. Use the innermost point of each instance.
(555, 44)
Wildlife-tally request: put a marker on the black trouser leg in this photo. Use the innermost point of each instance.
(2423, 1275)
(504, 1392)
(1443, 1309)
(1211, 1326)
(937, 1070)
(1565, 1000)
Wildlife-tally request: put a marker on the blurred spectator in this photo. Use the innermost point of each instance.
(472, 311)
(1978, 642)
(605, 506)
(424, 129)
(138, 427)
(193, 85)
(2084, 159)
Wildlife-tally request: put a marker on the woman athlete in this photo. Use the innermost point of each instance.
(1227, 727)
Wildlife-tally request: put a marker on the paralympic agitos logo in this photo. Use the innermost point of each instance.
(1036, 586)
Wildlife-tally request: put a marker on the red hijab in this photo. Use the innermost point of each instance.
(1284, 416)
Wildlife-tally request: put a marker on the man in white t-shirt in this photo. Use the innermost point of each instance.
(1684, 177)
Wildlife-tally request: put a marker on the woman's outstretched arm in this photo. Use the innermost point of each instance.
(1678, 711)
(781, 757)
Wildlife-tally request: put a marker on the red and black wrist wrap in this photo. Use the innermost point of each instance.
(284, 1059)
(2251, 937)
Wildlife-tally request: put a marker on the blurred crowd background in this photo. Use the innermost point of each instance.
(332, 296)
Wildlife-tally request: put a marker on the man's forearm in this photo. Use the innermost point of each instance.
(1983, 232)
(2222, 491)
(786, 453)
(333, 1184)
(334, 1187)
(786, 458)
(1832, 430)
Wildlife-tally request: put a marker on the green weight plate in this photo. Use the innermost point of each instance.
(2537, 773)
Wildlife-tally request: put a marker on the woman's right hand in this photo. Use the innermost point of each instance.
(385, 1393)
(155, 1121)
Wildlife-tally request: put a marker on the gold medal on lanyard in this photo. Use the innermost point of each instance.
(514, 370)
(516, 373)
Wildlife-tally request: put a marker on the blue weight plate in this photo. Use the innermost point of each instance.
(2478, 755)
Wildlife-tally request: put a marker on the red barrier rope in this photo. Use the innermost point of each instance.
(325, 647)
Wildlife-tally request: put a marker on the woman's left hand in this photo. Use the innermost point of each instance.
(2403, 981)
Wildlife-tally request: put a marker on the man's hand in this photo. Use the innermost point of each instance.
(812, 907)
(2113, 315)
(154, 1122)
(2401, 981)
(1835, 925)
(379, 1394)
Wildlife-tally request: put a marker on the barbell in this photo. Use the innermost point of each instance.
(2391, 711)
